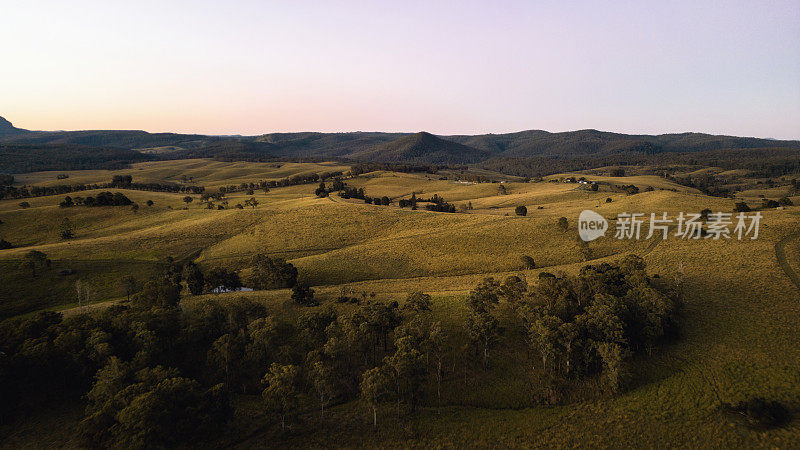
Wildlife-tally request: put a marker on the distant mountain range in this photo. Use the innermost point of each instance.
(416, 148)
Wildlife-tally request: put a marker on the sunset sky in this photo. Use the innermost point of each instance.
(460, 67)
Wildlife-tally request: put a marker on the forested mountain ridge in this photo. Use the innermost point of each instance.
(572, 149)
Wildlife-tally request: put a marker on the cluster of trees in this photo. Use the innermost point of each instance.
(118, 181)
(166, 187)
(102, 199)
(592, 323)
(300, 179)
(271, 273)
(437, 203)
(154, 373)
(40, 191)
(358, 169)
(629, 189)
(265, 273)
(151, 375)
(22, 158)
(761, 162)
(769, 203)
(347, 192)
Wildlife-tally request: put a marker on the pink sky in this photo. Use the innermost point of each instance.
(252, 67)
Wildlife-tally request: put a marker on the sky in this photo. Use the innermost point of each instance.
(447, 67)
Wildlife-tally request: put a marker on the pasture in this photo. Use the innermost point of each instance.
(739, 323)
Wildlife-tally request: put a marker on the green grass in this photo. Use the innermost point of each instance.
(739, 331)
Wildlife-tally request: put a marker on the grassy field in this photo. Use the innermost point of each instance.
(740, 318)
(211, 174)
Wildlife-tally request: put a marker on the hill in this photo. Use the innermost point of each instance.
(23, 158)
(592, 142)
(7, 128)
(422, 147)
(524, 153)
(737, 338)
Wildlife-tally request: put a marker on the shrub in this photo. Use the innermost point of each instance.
(521, 211)
(528, 262)
(761, 412)
(303, 295)
(741, 207)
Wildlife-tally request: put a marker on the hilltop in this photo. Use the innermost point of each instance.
(7, 128)
(423, 148)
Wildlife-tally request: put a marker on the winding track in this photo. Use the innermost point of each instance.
(783, 262)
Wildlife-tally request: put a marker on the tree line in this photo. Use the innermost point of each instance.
(154, 372)
(118, 181)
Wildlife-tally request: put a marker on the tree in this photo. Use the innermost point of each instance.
(66, 229)
(612, 355)
(321, 191)
(252, 202)
(323, 378)
(407, 369)
(484, 296)
(281, 394)
(595, 187)
(195, 280)
(417, 302)
(618, 172)
(129, 285)
(484, 331)
(33, 261)
(161, 292)
(121, 180)
(521, 211)
(188, 199)
(513, 288)
(24, 205)
(4, 244)
(741, 207)
(528, 262)
(563, 223)
(704, 214)
(544, 337)
(385, 201)
(436, 340)
(225, 356)
(220, 279)
(150, 203)
(303, 295)
(153, 407)
(374, 389)
(66, 203)
(272, 273)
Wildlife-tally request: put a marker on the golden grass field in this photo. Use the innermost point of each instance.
(740, 320)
